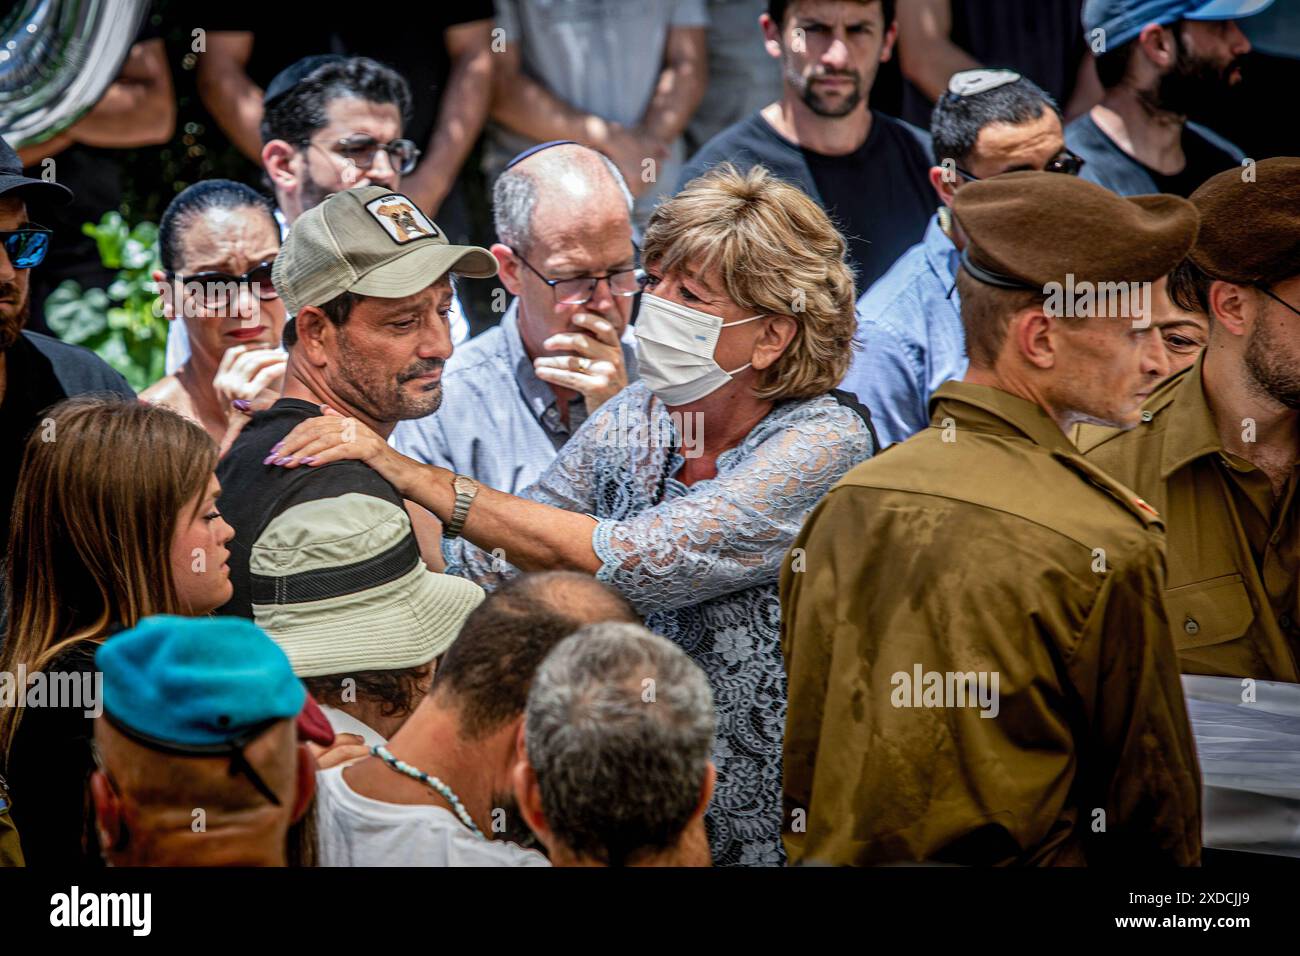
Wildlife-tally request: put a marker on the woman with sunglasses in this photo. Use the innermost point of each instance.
(217, 241)
(115, 520)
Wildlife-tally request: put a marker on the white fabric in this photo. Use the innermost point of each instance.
(674, 350)
(358, 831)
(1250, 762)
(344, 723)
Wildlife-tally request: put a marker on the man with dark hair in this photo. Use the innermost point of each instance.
(1157, 60)
(443, 52)
(329, 123)
(865, 168)
(1218, 447)
(441, 792)
(36, 371)
(368, 279)
(364, 642)
(909, 323)
(617, 740)
(1003, 689)
(324, 122)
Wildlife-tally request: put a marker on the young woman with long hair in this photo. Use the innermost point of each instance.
(114, 520)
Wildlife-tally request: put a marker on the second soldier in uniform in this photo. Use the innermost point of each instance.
(985, 551)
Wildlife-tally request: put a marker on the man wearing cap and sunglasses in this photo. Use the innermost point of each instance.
(1158, 60)
(564, 244)
(367, 277)
(909, 322)
(35, 370)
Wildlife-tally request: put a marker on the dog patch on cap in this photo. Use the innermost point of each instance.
(400, 219)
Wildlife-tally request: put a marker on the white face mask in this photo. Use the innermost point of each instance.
(674, 350)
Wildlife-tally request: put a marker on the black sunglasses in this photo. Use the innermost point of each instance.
(26, 247)
(360, 151)
(576, 291)
(1066, 161)
(220, 288)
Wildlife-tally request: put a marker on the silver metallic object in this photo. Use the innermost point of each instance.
(57, 57)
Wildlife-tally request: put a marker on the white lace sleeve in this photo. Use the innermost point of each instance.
(732, 532)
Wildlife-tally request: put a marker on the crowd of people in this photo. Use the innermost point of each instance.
(829, 490)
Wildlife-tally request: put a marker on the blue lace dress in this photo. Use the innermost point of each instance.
(701, 563)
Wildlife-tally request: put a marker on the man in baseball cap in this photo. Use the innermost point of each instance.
(1218, 446)
(368, 277)
(198, 713)
(35, 370)
(1157, 60)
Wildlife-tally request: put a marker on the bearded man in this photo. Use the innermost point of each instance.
(1156, 61)
(1217, 451)
(370, 333)
(869, 171)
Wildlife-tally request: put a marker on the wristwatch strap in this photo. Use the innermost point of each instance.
(459, 513)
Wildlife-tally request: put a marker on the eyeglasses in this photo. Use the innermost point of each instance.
(26, 247)
(217, 289)
(359, 151)
(1276, 298)
(576, 291)
(1066, 161)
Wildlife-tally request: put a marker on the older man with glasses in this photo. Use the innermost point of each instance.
(909, 323)
(522, 388)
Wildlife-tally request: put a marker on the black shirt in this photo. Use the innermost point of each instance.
(39, 372)
(1108, 165)
(48, 771)
(1040, 39)
(252, 494)
(416, 49)
(879, 195)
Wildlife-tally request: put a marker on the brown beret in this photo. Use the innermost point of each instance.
(1028, 229)
(1250, 230)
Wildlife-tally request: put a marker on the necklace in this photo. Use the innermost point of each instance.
(433, 783)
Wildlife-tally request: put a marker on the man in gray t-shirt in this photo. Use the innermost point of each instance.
(621, 76)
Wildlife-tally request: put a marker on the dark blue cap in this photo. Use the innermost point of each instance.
(295, 73)
(532, 150)
(1122, 20)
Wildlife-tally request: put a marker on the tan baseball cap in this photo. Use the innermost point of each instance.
(371, 241)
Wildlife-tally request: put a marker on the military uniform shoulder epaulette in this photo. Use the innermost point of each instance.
(1133, 503)
(1088, 437)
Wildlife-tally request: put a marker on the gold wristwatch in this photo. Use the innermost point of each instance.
(466, 488)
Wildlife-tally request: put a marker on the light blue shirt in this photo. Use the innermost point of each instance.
(910, 338)
(498, 423)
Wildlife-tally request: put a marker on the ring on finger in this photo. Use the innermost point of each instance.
(584, 363)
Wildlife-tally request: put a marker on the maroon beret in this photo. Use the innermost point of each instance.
(1026, 230)
(1250, 223)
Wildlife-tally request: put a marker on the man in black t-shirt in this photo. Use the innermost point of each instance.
(443, 50)
(367, 277)
(869, 171)
(35, 370)
(1156, 68)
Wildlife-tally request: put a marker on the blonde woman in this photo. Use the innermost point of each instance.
(686, 489)
(114, 520)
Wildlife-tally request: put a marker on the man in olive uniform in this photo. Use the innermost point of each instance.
(1218, 446)
(979, 664)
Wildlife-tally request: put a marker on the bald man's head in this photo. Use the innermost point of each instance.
(486, 673)
(548, 195)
